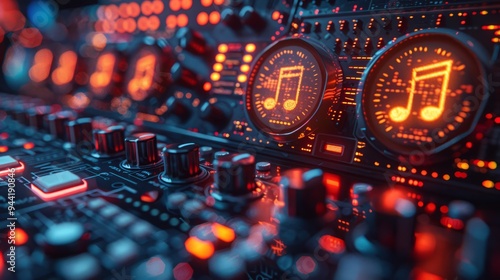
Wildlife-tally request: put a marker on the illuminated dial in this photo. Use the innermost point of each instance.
(423, 93)
(146, 73)
(286, 86)
(103, 78)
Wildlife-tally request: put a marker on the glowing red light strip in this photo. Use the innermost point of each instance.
(7, 172)
(61, 193)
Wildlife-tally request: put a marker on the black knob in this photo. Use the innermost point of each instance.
(20, 114)
(231, 18)
(57, 123)
(64, 239)
(109, 141)
(192, 41)
(303, 193)
(79, 131)
(391, 226)
(178, 108)
(206, 154)
(187, 77)
(36, 116)
(252, 18)
(141, 150)
(181, 163)
(360, 194)
(235, 174)
(216, 113)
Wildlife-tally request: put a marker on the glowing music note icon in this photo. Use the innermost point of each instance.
(143, 77)
(428, 113)
(286, 73)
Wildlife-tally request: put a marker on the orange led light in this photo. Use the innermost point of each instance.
(247, 58)
(157, 7)
(206, 3)
(220, 57)
(222, 48)
(199, 248)
(21, 237)
(186, 4)
(202, 18)
(488, 184)
(182, 20)
(171, 21)
(146, 8)
(153, 23)
(207, 86)
(3, 149)
(175, 5)
(242, 78)
(19, 169)
(218, 67)
(250, 48)
(214, 17)
(215, 76)
(245, 68)
(275, 15)
(222, 232)
(59, 194)
(29, 145)
(334, 148)
(143, 23)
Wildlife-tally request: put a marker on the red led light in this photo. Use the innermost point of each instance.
(18, 169)
(332, 244)
(59, 194)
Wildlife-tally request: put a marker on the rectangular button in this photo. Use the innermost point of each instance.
(7, 162)
(57, 181)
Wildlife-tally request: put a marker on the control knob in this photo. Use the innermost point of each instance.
(235, 174)
(141, 150)
(182, 164)
(57, 122)
(79, 131)
(109, 142)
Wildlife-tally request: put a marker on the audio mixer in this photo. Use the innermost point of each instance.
(243, 139)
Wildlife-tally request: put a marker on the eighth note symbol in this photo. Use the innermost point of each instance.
(428, 113)
(286, 74)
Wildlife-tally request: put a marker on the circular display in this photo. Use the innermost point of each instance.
(285, 86)
(423, 93)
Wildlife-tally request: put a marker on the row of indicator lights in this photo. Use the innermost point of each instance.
(220, 58)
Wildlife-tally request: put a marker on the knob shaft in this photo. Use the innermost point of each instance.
(235, 174)
(141, 150)
(79, 131)
(303, 193)
(181, 162)
(109, 141)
